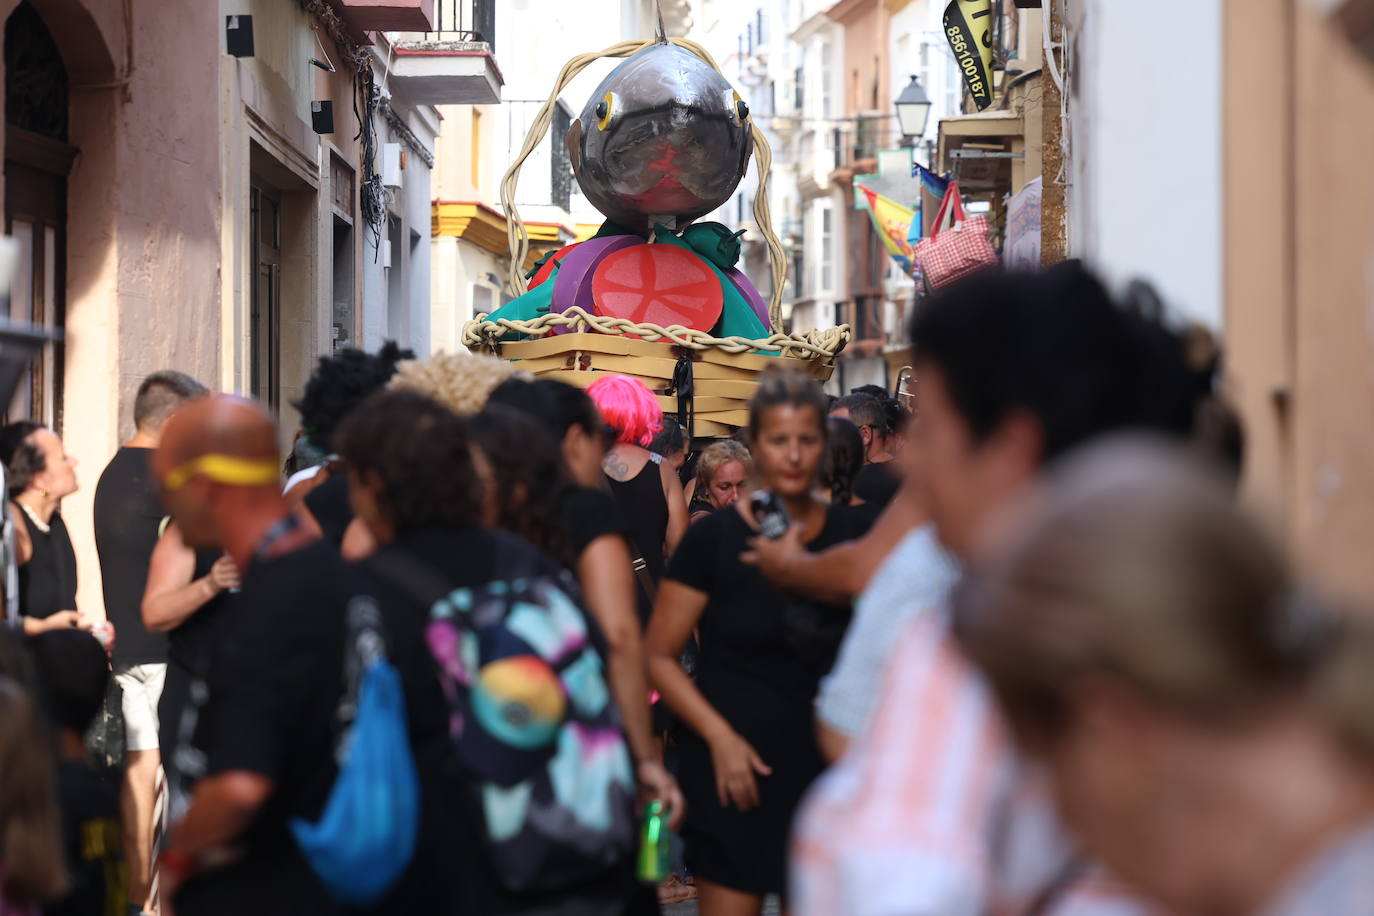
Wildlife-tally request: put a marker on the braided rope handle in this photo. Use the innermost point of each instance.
(815, 344)
(518, 237)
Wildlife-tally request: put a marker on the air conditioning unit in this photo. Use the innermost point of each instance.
(391, 165)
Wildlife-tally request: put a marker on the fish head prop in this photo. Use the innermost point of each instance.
(664, 139)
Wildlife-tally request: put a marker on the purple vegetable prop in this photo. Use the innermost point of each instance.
(750, 293)
(573, 283)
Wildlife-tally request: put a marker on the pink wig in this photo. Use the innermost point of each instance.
(630, 407)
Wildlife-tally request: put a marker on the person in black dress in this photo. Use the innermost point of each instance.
(185, 597)
(39, 474)
(749, 750)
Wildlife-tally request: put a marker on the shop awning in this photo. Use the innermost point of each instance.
(985, 150)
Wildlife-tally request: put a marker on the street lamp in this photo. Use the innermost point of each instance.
(913, 111)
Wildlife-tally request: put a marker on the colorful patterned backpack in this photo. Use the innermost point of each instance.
(532, 720)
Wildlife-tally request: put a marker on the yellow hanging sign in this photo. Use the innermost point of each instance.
(968, 26)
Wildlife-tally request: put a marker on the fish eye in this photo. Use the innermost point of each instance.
(605, 110)
(739, 110)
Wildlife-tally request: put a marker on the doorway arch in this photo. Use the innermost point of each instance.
(38, 158)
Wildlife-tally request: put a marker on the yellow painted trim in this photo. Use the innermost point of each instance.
(470, 222)
(484, 227)
(549, 232)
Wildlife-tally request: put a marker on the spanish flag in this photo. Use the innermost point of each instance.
(893, 222)
(968, 26)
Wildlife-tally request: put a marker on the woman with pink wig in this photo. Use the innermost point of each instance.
(647, 489)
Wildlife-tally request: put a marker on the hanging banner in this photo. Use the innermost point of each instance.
(893, 222)
(968, 26)
(933, 189)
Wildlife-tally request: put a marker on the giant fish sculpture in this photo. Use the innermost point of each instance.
(663, 140)
(654, 292)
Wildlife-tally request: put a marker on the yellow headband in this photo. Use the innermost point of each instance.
(226, 469)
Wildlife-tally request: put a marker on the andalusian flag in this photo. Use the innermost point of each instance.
(893, 222)
(968, 26)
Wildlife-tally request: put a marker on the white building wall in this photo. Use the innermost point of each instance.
(396, 298)
(418, 196)
(1147, 152)
(919, 48)
(531, 69)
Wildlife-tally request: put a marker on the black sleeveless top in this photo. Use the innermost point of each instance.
(190, 644)
(645, 508)
(47, 583)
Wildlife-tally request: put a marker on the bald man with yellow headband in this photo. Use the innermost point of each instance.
(264, 734)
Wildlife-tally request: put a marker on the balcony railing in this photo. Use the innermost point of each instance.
(454, 63)
(464, 20)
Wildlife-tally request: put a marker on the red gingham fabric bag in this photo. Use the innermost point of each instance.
(958, 246)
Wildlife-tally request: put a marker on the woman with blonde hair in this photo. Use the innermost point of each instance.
(723, 472)
(1205, 724)
(31, 865)
(462, 382)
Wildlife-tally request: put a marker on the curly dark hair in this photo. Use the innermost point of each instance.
(339, 384)
(529, 477)
(419, 453)
(23, 460)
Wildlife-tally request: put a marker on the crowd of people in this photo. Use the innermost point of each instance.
(1007, 645)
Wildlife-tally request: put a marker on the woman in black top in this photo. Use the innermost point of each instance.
(749, 751)
(568, 515)
(39, 474)
(185, 596)
(413, 481)
(642, 482)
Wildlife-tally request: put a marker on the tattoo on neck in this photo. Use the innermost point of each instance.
(615, 467)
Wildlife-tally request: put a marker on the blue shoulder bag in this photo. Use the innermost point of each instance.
(365, 838)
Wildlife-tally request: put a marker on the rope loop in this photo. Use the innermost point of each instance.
(815, 344)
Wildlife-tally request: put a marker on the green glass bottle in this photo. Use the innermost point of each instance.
(653, 845)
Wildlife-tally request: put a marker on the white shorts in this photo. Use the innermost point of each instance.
(142, 686)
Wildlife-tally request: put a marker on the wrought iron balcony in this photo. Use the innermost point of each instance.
(453, 62)
(471, 21)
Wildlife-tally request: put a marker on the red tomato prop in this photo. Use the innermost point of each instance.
(658, 284)
(546, 270)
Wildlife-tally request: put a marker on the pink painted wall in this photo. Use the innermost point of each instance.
(143, 219)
